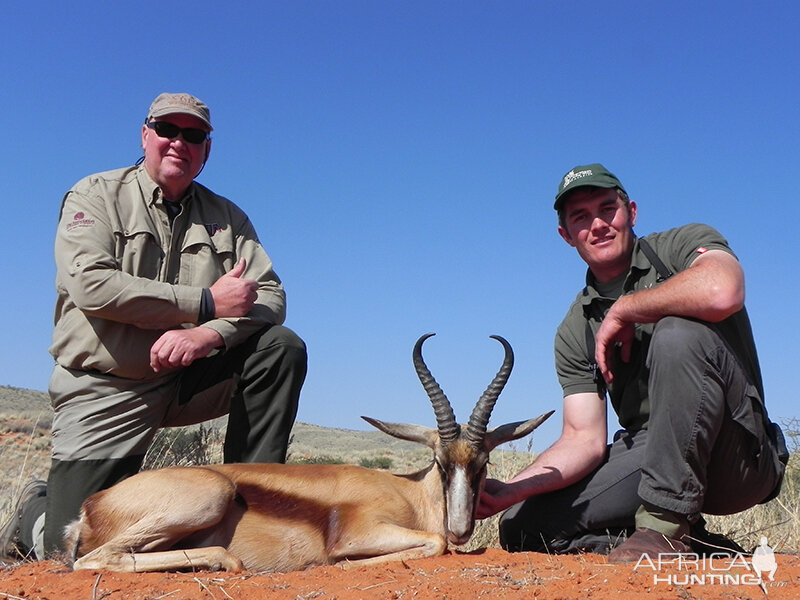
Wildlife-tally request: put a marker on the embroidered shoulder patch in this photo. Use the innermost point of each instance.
(80, 220)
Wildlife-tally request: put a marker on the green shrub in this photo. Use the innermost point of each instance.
(380, 462)
(317, 460)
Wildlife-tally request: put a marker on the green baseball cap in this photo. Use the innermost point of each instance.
(170, 104)
(594, 175)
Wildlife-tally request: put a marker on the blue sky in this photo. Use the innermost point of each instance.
(399, 161)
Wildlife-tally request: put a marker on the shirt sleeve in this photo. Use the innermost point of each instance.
(682, 245)
(571, 355)
(86, 259)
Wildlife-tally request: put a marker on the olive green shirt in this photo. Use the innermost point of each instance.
(125, 275)
(628, 393)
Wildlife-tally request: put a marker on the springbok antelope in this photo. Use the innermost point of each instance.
(276, 517)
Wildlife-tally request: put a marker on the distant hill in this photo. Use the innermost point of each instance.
(13, 399)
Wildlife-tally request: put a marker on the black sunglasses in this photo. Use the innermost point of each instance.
(170, 131)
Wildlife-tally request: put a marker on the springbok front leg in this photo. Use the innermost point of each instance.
(386, 542)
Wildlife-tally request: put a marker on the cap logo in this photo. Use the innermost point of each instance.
(185, 99)
(572, 176)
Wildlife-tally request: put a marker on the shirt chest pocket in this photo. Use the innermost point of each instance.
(206, 256)
(138, 252)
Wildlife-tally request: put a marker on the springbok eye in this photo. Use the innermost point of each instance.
(480, 471)
(444, 472)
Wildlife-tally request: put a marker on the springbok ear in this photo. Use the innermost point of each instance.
(412, 433)
(513, 431)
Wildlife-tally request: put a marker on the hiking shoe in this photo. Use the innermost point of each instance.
(646, 541)
(11, 546)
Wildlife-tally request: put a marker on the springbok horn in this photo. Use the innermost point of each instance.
(445, 417)
(479, 419)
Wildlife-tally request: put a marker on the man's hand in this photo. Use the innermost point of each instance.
(613, 331)
(494, 498)
(234, 296)
(181, 347)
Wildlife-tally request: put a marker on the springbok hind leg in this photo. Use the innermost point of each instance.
(106, 558)
(135, 525)
(386, 543)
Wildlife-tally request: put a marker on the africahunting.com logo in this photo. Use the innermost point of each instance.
(688, 568)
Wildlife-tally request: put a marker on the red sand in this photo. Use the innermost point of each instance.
(487, 573)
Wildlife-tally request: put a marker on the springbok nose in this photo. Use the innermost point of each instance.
(459, 539)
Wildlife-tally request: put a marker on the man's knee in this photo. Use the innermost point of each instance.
(277, 350)
(675, 332)
(677, 338)
(280, 339)
(282, 335)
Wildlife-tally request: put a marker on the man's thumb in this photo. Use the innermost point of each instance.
(238, 268)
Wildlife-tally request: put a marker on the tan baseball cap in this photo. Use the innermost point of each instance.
(169, 104)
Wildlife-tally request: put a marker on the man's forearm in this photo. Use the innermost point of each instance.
(712, 289)
(566, 462)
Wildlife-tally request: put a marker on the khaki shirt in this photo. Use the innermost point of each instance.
(125, 276)
(677, 248)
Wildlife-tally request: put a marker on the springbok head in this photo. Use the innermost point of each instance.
(461, 453)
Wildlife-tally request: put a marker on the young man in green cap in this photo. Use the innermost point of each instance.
(661, 328)
(168, 313)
